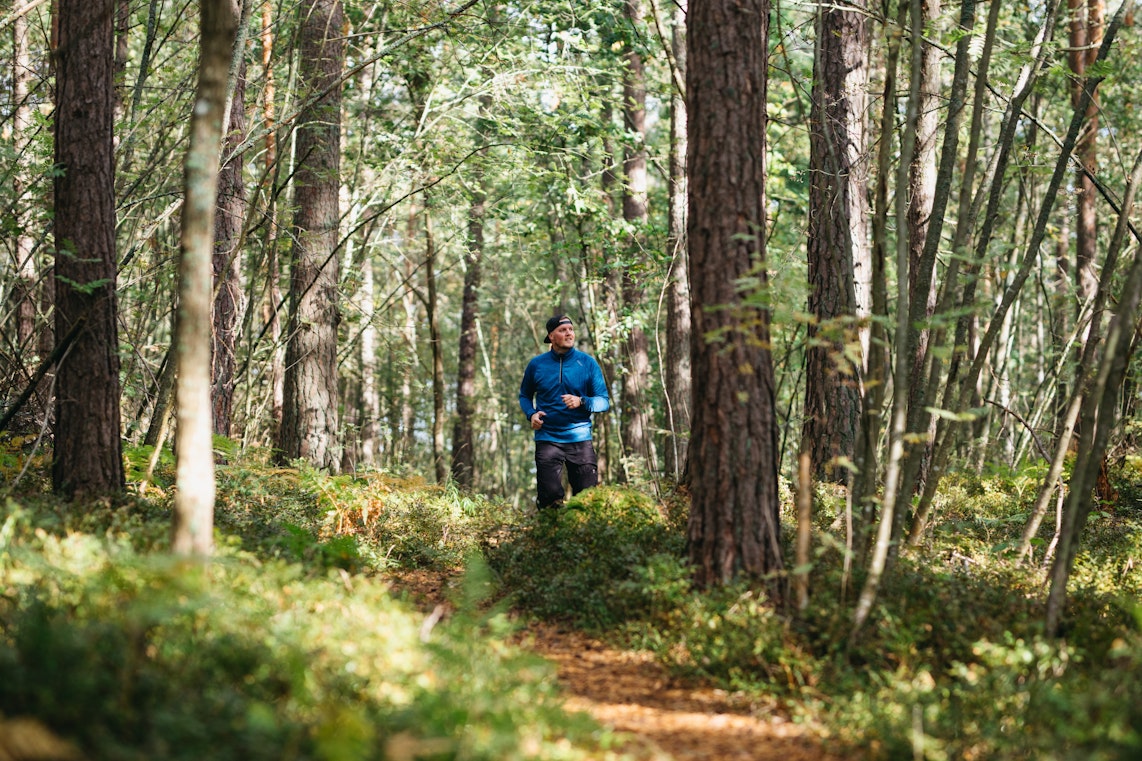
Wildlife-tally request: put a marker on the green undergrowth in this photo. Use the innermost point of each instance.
(953, 663)
(289, 644)
(581, 563)
(291, 641)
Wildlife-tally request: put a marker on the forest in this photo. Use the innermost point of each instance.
(862, 280)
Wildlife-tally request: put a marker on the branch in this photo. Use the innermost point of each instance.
(60, 349)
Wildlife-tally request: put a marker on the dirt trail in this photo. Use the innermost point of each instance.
(633, 694)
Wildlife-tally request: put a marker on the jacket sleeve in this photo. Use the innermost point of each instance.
(527, 391)
(599, 400)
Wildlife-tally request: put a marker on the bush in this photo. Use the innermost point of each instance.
(576, 563)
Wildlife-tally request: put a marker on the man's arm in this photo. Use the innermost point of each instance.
(527, 391)
(599, 400)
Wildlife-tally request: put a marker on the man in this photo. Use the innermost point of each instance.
(560, 390)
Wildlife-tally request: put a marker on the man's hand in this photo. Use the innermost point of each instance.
(537, 420)
(572, 401)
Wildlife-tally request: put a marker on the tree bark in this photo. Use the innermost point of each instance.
(638, 446)
(463, 437)
(193, 526)
(227, 263)
(309, 421)
(838, 229)
(679, 386)
(23, 295)
(925, 372)
(432, 309)
(1099, 416)
(878, 561)
(88, 450)
(734, 512)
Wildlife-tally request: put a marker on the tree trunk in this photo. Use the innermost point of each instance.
(957, 390)
(1086, 23)
(1099, 416)
(432, 307)
(370, 397)
(23, 295)
(865, 483)
(922, 187)
(88, 450)
(638, 446)
(679, 388)
(734, 513)
(878, 561)
(227, 263)
(838, 209)
(463, 438)
(271, 313)
(193, 526)
(309, 420)
(925, 371)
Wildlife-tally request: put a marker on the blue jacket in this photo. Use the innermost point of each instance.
(547, 378)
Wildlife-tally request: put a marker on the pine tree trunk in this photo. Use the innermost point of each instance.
(838, 229)
(309, 420)
(734, 513)
(88, 450)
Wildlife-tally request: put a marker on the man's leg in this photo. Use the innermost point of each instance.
(582, 466)
(549, 460)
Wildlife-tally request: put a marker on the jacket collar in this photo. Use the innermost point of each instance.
(564, 355)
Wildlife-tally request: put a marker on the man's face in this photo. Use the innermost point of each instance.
(563, 337)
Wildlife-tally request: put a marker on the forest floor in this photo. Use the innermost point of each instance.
(629, 692)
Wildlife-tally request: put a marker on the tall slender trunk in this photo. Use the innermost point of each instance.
(638, 445)
(227, 264)
(271, 313)
(370, 396)
(23, 295)
(878, 561)
(925, 371)
(432, 307)
(192, 529)
(679, 385)
(463, 438)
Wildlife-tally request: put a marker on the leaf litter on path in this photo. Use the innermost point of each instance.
(631, 693)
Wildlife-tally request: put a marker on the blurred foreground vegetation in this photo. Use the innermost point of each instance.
(292, 643)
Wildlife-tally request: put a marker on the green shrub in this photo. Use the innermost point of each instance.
(576, 563)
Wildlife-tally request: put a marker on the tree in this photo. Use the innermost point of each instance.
(192, 531)
(309, 419)
(88, 451)
(679, 387)
(733, 526)
(227, 263)
(637, 441)
(837, 237)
